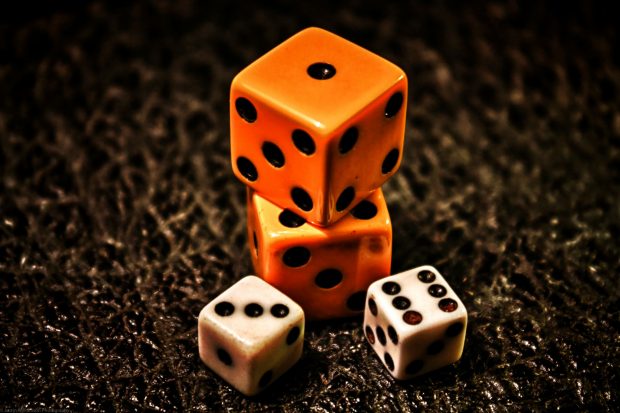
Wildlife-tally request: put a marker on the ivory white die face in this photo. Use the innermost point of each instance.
(250, 334)
(415, 322)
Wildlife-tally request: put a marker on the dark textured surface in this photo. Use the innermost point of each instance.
(120, 216)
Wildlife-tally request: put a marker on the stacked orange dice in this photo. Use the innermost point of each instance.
(317, 126)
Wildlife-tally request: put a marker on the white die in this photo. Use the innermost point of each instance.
(415, 322)
(250, 334)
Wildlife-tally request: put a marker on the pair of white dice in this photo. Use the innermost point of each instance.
(252, 333)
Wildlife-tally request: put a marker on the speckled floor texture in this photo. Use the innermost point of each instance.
(120, 217)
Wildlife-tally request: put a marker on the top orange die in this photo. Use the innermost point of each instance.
(317, 124)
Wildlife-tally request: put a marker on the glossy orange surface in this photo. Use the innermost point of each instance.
(331, 137)
(326, 270)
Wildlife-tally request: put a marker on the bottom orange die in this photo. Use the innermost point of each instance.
(327, 270)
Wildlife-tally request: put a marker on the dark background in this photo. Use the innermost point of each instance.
(120, 217)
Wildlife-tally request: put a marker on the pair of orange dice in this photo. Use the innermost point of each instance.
(317, 126)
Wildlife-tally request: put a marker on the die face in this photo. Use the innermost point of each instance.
(424, 315)
(284, 78)
(366, 152)
(311, 136)
(250, 334)
(220, 353)
(325, 270)
(279, 158)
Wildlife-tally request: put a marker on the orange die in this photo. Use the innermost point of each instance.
(317, 124)
(326, 270)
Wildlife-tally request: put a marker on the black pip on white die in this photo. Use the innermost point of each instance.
(415, 322)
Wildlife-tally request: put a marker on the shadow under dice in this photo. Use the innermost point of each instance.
(317, 124)
(326, 270)
(415, 322)
(250, 334)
